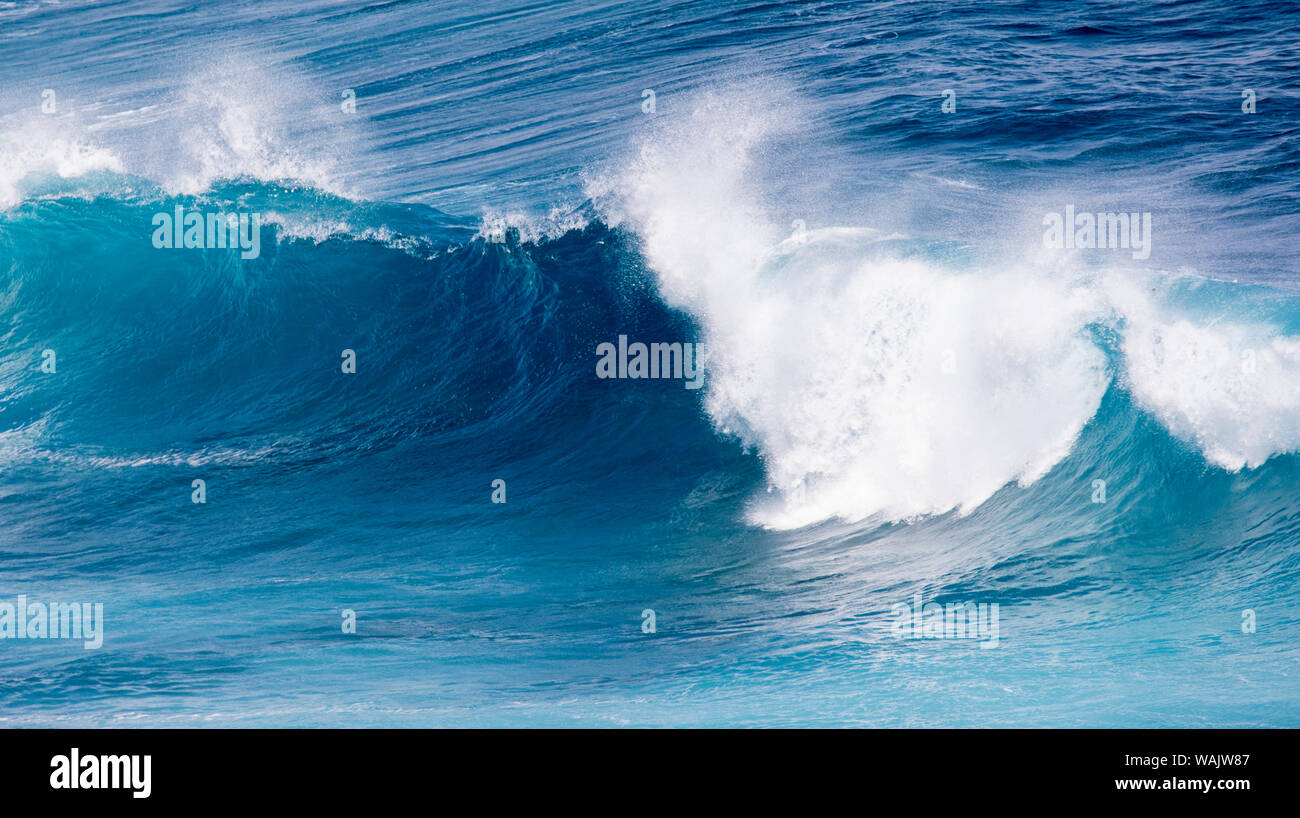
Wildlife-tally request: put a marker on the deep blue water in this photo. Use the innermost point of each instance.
(905, 391)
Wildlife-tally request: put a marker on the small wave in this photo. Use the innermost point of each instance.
(234, 132)
(35, 151)
(1230, 387)
(213, 129)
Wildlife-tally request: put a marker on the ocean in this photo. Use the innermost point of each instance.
(660, 364)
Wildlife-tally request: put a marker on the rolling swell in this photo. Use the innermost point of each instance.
(475, 361)
(474, 357)
(475, 349)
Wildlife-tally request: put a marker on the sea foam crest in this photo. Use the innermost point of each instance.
(877, 383)
(1230, 387)
(231, 121)
(872, 386)
(35, 148)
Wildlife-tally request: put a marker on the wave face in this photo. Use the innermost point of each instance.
(906, 395)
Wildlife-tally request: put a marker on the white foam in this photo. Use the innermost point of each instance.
(319, 229)
(493, 224)
(873, 386)
(243, 122)
(237, 119)
(35, 147)
(1232, 388)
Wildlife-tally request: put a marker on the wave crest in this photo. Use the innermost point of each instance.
(877, 380)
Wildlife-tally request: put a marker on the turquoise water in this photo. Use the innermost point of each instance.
(906, 390)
